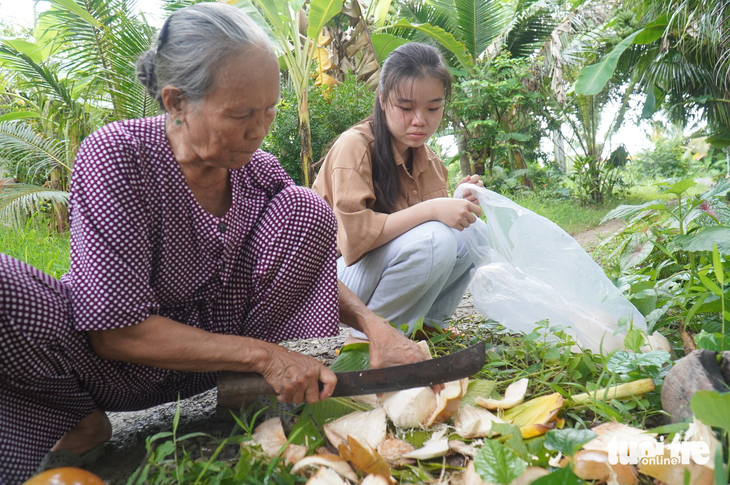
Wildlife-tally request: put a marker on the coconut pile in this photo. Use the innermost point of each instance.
(365, 446)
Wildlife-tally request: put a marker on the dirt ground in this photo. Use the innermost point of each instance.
(126, 450)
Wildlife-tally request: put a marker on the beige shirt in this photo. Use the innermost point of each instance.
(345, 181)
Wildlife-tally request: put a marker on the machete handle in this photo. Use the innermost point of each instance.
(243, 384)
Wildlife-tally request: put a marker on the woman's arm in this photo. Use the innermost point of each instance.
(455, 213)
(164, 343)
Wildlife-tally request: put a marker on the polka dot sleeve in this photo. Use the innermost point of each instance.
(111, 248)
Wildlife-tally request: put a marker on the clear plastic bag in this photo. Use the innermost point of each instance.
(529, 269)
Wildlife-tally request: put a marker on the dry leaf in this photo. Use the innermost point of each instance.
(536, 416)
(365, 458)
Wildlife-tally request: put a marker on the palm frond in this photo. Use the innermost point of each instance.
(22, 143)
(20, 201)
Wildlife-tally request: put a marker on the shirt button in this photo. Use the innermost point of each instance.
(222, 227)
(415, 192)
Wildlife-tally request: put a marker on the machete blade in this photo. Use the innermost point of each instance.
(458, 365)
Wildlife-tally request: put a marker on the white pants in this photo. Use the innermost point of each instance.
(421, 273)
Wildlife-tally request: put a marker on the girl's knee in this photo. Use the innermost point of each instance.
(442, 242)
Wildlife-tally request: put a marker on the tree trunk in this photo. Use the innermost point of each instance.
(520, 164)
(559, 143)
(464, 163)
(305, 135)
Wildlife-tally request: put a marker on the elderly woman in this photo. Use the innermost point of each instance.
(192, 252)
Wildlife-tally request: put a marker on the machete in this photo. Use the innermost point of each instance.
(458, 365)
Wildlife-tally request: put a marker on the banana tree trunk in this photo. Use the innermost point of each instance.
(464, 163)
(305, 135)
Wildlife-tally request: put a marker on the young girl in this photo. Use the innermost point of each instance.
(398, 232)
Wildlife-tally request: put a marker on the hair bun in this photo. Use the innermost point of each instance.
(146, 72)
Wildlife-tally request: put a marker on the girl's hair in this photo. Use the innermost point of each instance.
(409, 62)
(191, 46)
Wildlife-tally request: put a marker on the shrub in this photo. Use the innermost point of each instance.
(666, 160)
(331, 112)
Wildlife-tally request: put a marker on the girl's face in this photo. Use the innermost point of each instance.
(414, 111)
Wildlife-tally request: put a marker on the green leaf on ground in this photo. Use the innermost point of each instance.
(513, 437)
(711, 408)
(497, 463)
(562, 476)
(568, 441)
(477, 388)
(352, 357)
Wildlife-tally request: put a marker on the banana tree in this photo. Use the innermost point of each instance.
(296, 35)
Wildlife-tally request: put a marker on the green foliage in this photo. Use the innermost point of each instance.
(664, 161)
(568, 441)
(496, 114)
(497, 463)
(671, 260)
(331, 110)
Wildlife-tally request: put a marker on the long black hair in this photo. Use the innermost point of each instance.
(409, 62)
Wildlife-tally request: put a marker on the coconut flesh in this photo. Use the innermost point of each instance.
(366, 427)
(471, 422)
(514, 395)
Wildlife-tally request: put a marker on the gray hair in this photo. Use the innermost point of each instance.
(191, 45)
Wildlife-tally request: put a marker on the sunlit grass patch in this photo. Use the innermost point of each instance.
(42, 249)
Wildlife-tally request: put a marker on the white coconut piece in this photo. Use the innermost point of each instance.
(530, 474)
(270, 435)
(374, 480)
(675, 474)
(369, 399)
(514, 395)
(621, 432)
(431, 449)
(425, 349)
(294, 453)
(471, 422)
(448, 401)
(699, 431)
(594, 465)
(369, 427)
(334, 462)
(463, 448)
(656, 341)
(471, 477)
(326, 476)
(392, 451)
(410, 408)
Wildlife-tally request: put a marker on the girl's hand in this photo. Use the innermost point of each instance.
(474, 179)
(455, 213)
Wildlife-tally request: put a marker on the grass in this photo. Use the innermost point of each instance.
(35, 245)
(573, 217)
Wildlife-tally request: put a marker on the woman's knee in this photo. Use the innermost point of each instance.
(309, 211)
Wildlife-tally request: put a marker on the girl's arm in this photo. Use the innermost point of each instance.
(455, 213)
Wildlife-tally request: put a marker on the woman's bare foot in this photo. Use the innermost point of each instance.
(87, 434)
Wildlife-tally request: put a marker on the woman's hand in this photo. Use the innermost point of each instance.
(389, 347)
(295, 377)
(455, 213)
(473, 179)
